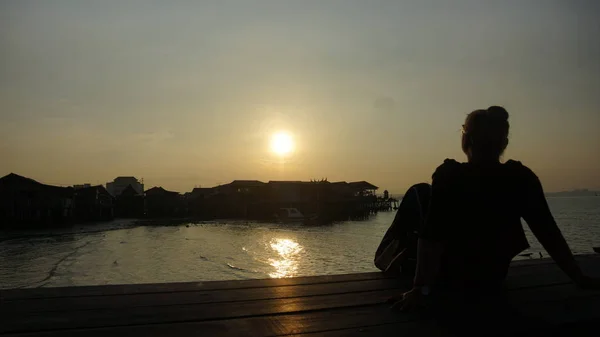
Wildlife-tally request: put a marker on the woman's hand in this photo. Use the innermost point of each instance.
(408, 301)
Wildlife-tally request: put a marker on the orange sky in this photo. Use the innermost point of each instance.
(189, 93)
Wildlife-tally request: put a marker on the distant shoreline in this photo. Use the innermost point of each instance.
(575, 193)
(117, 224)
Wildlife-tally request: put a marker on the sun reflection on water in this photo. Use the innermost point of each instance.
(286, 264)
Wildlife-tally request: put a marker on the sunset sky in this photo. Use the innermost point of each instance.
(188, 93)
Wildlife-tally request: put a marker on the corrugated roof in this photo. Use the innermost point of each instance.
(363, 185)
(15, 179)
(247, 183)
(158, 190)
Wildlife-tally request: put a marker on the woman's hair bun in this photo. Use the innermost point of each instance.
(498, 113)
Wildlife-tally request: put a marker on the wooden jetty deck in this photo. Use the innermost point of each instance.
(340, 305)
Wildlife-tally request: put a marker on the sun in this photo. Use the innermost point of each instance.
(282, 143)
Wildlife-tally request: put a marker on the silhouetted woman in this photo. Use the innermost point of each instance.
(473, 227)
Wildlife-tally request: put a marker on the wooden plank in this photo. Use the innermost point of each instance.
(533, 275)
(572, 310)
(536, 277)
(583, 312)
(276, 325)
(412, 328)
(199, 297)
(432, 329)
(395, 329)
(428, 328)
(530, 297)
(16, 322)
(563, 292)
(102, 290)
(360, 321)
(547, 260)
(523, 266)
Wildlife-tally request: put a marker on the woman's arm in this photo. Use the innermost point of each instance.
(555, 244)
(539, 218)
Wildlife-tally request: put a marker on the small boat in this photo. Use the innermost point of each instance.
(293, 215)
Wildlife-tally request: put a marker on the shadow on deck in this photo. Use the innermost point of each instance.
(340, 305)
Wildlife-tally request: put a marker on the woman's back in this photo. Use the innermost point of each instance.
(476, 211)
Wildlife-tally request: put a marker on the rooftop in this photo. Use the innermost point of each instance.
(158, 190)
(13, 179)
(363, 185)
(125, 178)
